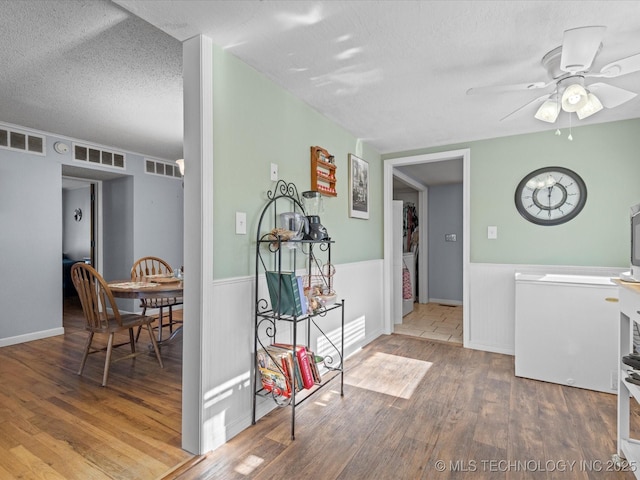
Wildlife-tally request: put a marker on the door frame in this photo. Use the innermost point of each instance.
(389, 166)
(95, 214)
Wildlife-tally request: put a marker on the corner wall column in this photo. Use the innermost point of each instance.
(198, 230)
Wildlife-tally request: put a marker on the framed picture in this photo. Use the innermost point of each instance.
(358, 187)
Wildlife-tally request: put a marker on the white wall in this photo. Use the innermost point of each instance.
(492, 301)
(227, 391)
(76, 235)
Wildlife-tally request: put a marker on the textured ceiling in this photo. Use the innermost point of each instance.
(93, 71)
(393, 73)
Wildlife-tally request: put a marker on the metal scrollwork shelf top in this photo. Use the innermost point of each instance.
(285, 189)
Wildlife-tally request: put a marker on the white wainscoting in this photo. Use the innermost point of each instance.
(492, 301)
(229, 342)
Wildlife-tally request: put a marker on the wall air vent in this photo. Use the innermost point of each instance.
(22, 141)
(155, 167)
(97, 156)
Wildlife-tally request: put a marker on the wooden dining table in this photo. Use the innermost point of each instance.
(167, 288)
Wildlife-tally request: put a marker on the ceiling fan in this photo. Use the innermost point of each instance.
(568, 66)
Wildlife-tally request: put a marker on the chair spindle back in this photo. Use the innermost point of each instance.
(95, 296)
(149, 266)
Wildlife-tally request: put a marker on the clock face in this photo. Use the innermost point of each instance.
(550, 195)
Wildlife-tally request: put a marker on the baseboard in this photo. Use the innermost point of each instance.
(29, 337)
(489, 348)
(445, 302)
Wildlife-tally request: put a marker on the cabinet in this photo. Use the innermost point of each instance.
(628, 447)
(323, 172)
(315, 333)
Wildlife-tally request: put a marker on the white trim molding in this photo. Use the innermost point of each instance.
(389, 166)
(29, 337)
(198, 349)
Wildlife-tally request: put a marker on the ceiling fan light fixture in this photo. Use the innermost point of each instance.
(548, 111)
(574, 98)
(592, 106)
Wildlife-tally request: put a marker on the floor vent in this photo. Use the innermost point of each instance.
(165, 169)
(22, 141)
(96, 156)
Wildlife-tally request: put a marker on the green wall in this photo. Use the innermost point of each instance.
(606, 156)
(257, 123)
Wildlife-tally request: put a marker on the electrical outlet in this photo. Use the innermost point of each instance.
(274, 172)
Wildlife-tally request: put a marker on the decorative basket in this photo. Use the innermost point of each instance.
(318, 286)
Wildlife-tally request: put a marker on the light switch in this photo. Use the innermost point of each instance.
(492, 232)
(274, 172)
(241, 223)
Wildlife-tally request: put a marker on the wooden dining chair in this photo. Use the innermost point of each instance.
(148, 266)
(96, 299)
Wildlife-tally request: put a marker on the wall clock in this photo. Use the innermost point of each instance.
(550, 195)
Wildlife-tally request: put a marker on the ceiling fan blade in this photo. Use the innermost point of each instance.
(507, 88)
(579, 47)
(611, 96)
(621, 67)
(524, 108)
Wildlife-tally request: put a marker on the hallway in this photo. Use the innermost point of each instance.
(433, 321)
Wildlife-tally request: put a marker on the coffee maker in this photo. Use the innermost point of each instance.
(312, 203)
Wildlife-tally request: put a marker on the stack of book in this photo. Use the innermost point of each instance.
(286, 291)
(273, 375)
(279, 371)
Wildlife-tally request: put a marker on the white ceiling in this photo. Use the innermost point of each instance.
(393, 73)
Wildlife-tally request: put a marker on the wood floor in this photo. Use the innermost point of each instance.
(55, 424)
(409, 404)
(418, 409)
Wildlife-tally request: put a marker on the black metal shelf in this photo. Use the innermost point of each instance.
(267, 321)
(293, 318)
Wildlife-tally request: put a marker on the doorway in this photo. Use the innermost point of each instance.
(79, 219)
(79, 241)
(391, 168)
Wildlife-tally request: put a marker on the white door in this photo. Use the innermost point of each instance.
(396, 294)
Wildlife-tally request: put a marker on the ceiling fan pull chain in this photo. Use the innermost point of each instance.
(570, 137)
